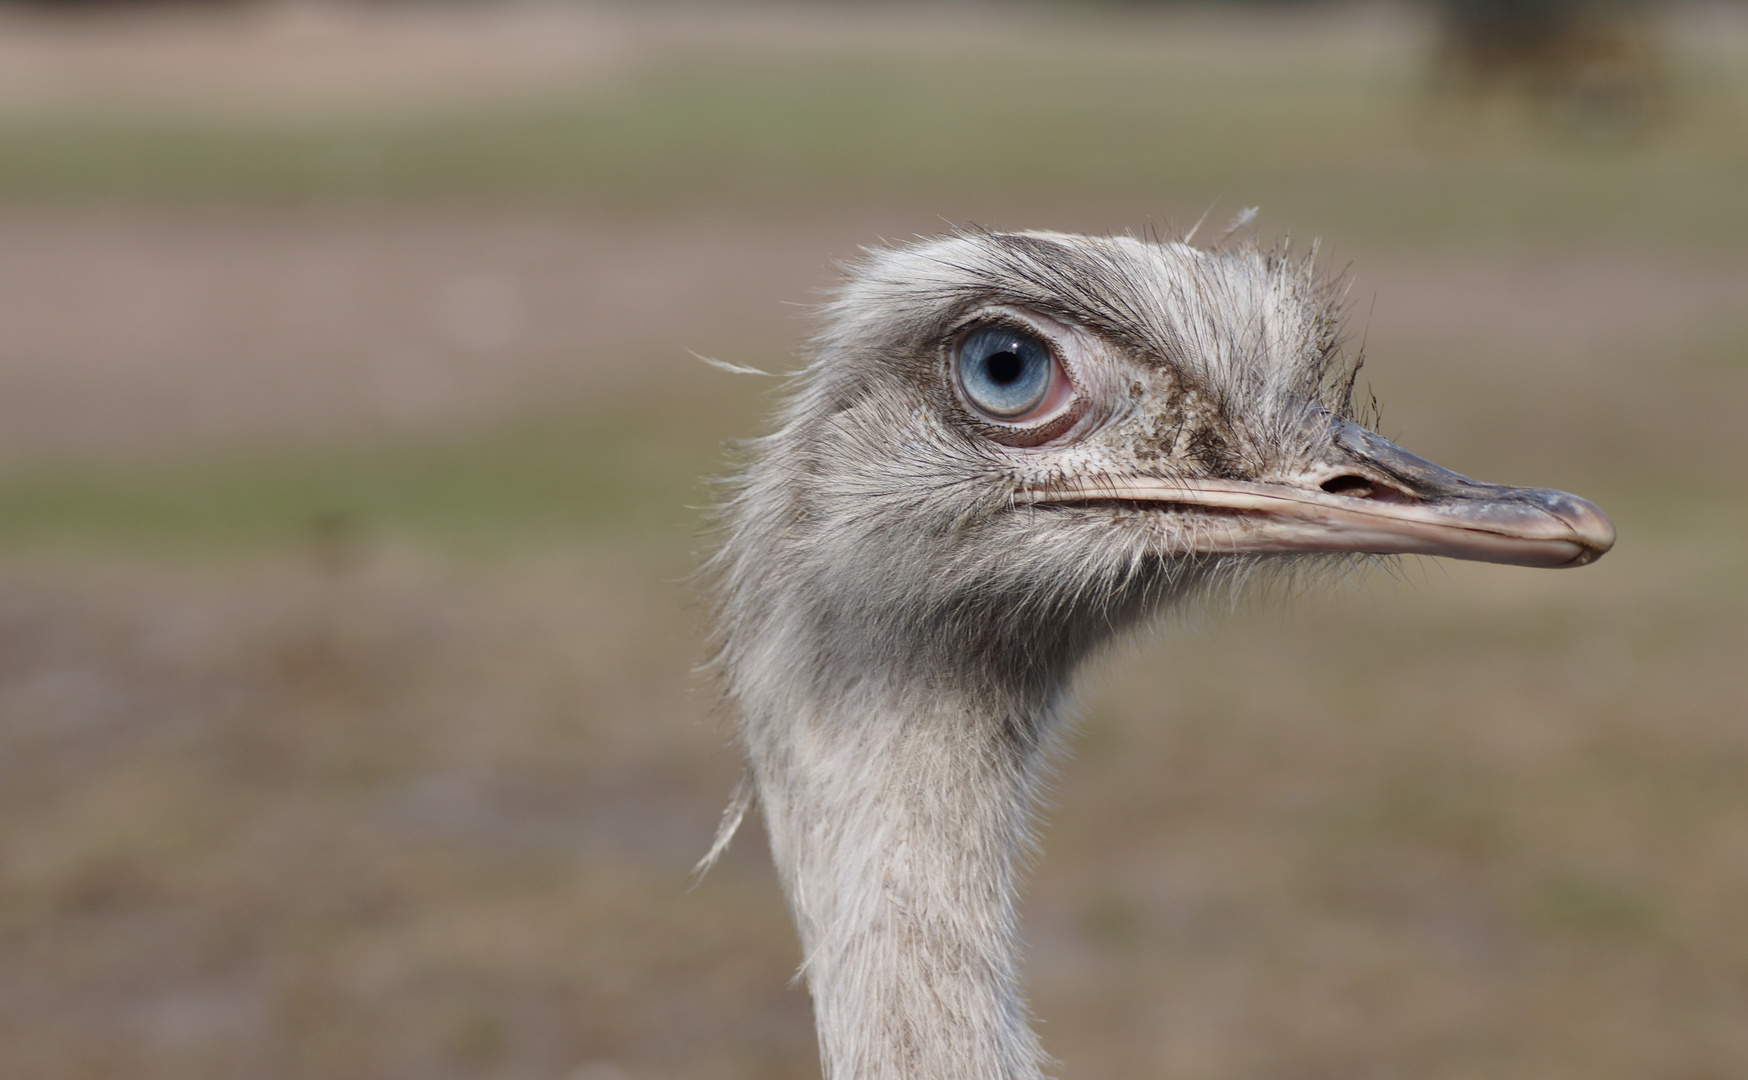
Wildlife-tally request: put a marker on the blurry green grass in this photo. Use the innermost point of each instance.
(1355, 146)
(628, 473)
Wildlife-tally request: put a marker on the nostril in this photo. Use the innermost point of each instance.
(1364, 487)
(1357, 487)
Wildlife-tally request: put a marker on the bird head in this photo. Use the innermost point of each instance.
(1005, 447)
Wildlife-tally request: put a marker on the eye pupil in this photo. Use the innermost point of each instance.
(1005, 372)
(1004, 368)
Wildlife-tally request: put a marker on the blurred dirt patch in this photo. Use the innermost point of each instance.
(397, 821)
(132, 332)
(295, 58)
(1482, 828)
(1575, 365)
(326, 805)
(303, 59)
(402, 817)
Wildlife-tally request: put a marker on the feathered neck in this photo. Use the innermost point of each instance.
(897, 821)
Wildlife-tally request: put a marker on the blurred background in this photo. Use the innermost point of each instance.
(349, 442)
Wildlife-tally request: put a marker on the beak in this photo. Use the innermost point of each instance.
(1369, 495)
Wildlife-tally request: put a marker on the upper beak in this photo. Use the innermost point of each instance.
(1370, 495)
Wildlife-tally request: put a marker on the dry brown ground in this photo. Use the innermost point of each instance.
(139, 332)
(296, 58)
(132, 332)
(424, 816)
(427, 817)
(328, 59)
(430, 819)
(410, 821)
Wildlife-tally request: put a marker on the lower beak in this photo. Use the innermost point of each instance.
(1369, 495)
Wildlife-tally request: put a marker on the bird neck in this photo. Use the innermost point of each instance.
(897, 826)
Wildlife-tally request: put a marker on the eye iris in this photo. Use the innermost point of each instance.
(1004, 372)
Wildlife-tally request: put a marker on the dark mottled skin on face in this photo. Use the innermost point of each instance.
(1173, 426)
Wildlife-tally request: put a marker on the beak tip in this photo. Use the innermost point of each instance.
(1592, 530)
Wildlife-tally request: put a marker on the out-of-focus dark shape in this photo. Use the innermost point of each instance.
(1592, 66)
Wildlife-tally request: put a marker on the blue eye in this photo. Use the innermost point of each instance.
(1004, 372)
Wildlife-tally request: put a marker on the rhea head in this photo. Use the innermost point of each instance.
(1004, 450)
(1009, 446)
